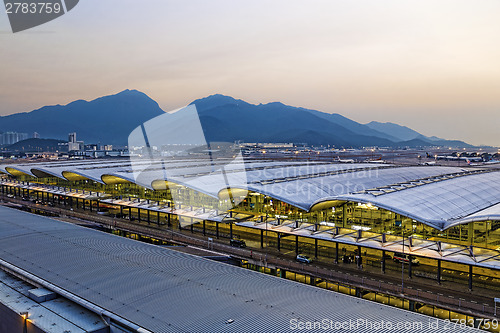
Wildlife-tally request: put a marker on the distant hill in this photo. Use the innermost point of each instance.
(111, 119)
(36, 145)
(403, 133)
(108, 119)
(399, 132)
(449, 143)
(413, 143)
(226, 119)
(355, 126)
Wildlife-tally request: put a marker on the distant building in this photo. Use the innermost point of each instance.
(74, 145)
(91, 147)
(9, 138)
(266, 145)
(36, 135)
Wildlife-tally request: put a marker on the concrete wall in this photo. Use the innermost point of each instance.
(11, 322)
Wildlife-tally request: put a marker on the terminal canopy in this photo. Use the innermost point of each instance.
(438, 196)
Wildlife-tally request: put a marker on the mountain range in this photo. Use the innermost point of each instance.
(110, 119)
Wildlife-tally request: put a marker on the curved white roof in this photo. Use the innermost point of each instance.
(435, 195)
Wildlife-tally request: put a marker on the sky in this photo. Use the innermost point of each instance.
(433, 66)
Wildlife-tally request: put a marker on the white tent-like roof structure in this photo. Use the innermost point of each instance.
(438, 196)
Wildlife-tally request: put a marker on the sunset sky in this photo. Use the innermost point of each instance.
(431, 65)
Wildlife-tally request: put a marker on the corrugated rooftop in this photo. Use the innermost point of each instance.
(162, 290)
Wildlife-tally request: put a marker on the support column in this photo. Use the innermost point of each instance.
(344, 215)
(158, 217)
(411, 305)
(149, 216)
(192, 225)
(278, 237)
(336, 252)
(217, 230)
(204, 228)
(316, 248)
(90, 205)
(139, 214)
(130, 213)
(470, 234)
(439, 271)
(410, 265)
(121, 209)
(296, 245)
(262, 239)
(470, 277)
(360, 258)
(230, 230)
(312, 280)
(383, 262)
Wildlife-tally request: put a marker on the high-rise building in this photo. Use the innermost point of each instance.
(9, 138)
(36, 135)
(22, 136)
(73, 145)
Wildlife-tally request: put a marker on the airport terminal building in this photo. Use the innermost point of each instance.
(444, 217)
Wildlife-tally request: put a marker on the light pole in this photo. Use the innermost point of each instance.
(403, 261)
(265, 254)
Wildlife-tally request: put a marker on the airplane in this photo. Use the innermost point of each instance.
(350, 160)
